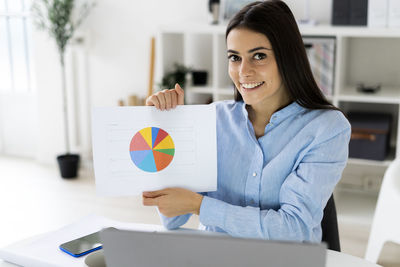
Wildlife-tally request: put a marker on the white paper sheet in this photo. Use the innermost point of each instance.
(193, 164)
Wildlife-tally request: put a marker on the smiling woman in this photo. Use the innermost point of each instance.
(253, 70)
(281, 145)
(281, 33)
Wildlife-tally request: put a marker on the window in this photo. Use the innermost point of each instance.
(15, 63)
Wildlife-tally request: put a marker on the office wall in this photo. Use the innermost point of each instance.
(120, 33)
(118, 50)
(18, 118)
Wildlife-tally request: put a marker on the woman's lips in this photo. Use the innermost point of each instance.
(246, 87)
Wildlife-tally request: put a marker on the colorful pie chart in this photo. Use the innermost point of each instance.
(152, 149)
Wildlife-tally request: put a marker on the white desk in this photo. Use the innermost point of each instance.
(45, 247)
(333, 259)
(34, 199)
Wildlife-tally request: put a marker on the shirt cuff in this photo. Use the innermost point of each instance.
(212, 212)
(173, 222)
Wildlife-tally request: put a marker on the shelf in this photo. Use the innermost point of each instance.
(389, 95)
(379, 163)
(367, 162)
(200, 89)
(226, 91)
(318, 30)
(210, 90)
(350, 31)
(199, 28)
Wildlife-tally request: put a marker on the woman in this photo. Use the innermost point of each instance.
(281, 145)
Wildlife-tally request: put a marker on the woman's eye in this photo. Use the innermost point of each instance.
(259, 56)
(233, 58)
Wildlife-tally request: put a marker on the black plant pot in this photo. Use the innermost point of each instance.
(69, 165)
(199, 77)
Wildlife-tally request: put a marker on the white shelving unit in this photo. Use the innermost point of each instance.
(368, 55)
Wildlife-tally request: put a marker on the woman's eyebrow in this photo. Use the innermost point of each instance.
(232, 51)
(258, 48)
(250, 51)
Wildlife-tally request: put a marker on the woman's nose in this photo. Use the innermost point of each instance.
(245, 68)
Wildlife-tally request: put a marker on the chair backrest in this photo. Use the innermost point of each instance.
(391, 180)
(329, 224)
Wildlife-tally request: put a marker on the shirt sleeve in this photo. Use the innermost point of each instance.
(172, 223)
(302, 197)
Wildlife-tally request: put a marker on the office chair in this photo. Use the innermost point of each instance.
(386, 222)
(329, 224)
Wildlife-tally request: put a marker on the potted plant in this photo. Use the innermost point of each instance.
(177, 75)
(60, 18)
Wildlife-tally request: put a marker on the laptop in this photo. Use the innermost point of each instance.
(152, 249)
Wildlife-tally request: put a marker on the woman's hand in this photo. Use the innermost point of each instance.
(166, 99)
(175, 201)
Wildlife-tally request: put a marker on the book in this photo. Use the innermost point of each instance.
(394, 13)
(378, 13)
(358, 12)
(340, 12)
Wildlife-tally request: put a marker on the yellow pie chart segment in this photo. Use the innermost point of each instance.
(166, 143)
(146, 133)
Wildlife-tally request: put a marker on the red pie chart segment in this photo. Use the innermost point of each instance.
(160, 136)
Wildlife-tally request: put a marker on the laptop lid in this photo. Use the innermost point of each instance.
(149, 249)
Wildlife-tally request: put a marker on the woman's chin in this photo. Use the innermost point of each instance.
(250, 100)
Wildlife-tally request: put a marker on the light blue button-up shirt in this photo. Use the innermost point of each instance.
(276, 186)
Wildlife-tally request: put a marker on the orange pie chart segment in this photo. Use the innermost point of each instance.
(162, 160)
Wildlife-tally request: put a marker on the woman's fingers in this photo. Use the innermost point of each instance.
(173, 201)
(148, 201)
(156, 193)
(153, 101)
(174, 100)
(167, 99)
(161, 99)
(181, 94)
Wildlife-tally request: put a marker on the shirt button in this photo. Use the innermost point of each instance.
(254, 174)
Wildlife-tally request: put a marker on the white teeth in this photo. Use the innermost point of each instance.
(251, 85)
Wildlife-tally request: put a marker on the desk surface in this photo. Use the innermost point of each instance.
(30, 192)
(333, 259)
(44, 248)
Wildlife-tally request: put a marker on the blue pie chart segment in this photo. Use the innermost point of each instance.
(148, 164)
(138, 156)
(154, 132)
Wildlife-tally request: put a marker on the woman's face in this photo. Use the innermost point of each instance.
(252, 67)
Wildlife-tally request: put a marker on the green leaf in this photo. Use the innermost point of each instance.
(55, 16)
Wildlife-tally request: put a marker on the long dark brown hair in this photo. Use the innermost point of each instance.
(274, 19)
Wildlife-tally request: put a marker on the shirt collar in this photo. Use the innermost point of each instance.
(280, 115)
